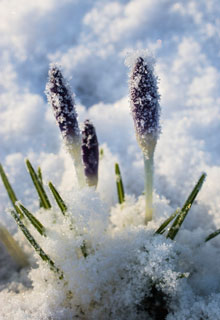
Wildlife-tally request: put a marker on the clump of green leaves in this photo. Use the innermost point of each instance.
(20, 214)
(178, 215)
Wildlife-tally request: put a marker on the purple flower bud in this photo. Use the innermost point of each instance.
(145, 103)
(61, 99)
(90, 153)
(59, 96)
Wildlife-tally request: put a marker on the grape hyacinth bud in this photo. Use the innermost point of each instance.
(145, 108)
(60, 98)
(90, 153)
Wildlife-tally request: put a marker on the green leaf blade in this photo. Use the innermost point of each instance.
(58, 198)
(10, 191)
(39, 173)
(34, 221)
(35, 245)
(212, 235)
(185, 209)
(38, 186)
(163, 226)
(119, 184)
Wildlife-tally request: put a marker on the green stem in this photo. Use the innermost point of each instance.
(148, 168)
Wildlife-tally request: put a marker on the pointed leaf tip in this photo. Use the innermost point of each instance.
(119, 184)
(185, 209)
(58, 198)
(38, 186)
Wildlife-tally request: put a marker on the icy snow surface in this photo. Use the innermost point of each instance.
(90, 40)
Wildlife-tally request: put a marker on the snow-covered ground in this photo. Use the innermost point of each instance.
(90, 40)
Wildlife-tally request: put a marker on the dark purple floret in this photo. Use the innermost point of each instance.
(90, 153)
(144, 99)
(61, 99)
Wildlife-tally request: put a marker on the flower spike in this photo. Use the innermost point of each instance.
(90, 153)
(145, 104)
(61, 99)
(145, 108)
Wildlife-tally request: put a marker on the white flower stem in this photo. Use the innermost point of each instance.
(75, 152)
(13, 248)
(148, 168)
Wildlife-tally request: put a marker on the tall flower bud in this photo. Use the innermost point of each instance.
(145, 108)
(90, 153)
(145, 104)
(62, 102)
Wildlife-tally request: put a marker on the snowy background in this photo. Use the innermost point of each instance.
(90, 40)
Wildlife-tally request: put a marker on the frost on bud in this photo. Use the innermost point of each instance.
(90, 153)
(145, 109)
(144, 100)
(61, 99)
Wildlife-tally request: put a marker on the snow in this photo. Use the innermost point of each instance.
(90, 40)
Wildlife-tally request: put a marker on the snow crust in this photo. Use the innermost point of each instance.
(90, 39)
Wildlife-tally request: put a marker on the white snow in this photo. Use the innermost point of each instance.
(90, 40)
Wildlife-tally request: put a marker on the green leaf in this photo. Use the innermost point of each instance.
(84, 249)
(10, 191)
(185, 209)
(38, 185)
(212, 235)
(163, 226)
(119, 184)
(101, 153)
(34, 221)
(39, 173)
(58, 198)
(35, 245)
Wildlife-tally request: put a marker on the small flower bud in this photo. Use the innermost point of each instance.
(90, 153)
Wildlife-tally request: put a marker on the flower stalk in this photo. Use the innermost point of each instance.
(13, 248)
(148, 169)
(144, 101)
(62, 102)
